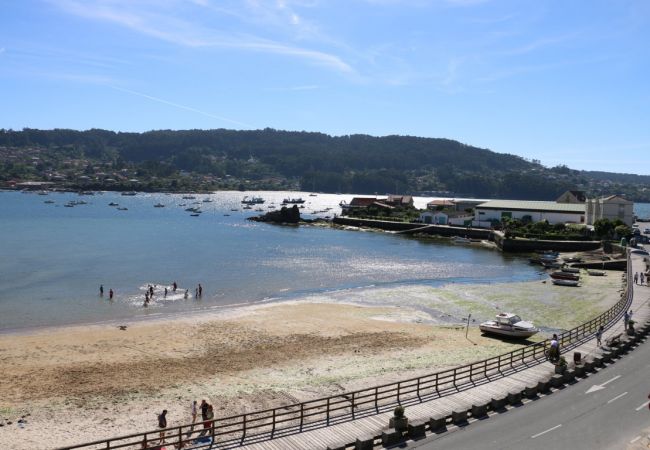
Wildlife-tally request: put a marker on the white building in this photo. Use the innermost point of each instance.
(534, 211)
(454, 218)
(612, 208)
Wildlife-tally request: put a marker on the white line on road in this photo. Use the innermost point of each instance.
(642, 406)
(617, 397)
(635, 439)
(544, 432)
(609, 381)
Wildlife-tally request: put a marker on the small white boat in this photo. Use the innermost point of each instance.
(508, 325)
(565, 282)
(461, 240)
(596, 273)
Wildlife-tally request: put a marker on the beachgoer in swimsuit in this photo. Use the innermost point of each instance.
(110, 294)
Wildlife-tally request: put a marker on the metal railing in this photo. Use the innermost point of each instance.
(267, 424)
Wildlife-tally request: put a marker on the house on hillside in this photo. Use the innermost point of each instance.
(612, 208)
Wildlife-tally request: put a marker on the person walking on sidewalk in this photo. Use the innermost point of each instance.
(599, 336)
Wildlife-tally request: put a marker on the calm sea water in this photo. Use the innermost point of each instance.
(53, 258)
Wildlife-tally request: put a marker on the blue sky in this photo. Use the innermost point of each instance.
(565, 82)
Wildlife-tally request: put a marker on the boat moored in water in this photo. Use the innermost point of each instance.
(292, 201)
(508, 325)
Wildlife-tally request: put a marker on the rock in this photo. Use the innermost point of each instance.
(284, 215)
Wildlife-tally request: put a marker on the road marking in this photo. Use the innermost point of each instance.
(598, 387)
(544, 432)
(635, 439)
(642, 406)
(617, 397)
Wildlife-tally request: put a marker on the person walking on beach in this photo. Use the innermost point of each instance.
(194, 409)
(101, 290)
(200, 290)
(174, 286)
(165, 292)
(162, 424)
(110, 294)
(204, 410)
(599, 336)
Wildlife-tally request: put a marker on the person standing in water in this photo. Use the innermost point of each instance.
(101, 290)
(187, 294)
(200, 290)
(110, 294)
(174, 286)
(165, 292)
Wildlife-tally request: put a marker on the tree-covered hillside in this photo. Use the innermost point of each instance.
(281, 159)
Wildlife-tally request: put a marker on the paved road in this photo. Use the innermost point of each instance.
(609, 417)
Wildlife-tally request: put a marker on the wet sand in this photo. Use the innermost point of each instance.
(84, 383)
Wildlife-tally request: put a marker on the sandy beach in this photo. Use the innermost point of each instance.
(82, 383)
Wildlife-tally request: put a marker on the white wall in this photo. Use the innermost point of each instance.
(537, 216)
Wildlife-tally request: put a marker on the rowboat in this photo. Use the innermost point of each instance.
(565, 282)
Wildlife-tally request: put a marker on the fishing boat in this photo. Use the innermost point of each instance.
(508, 325)
(158, 205)
(565, 276)
(596, 273)
(292, 201)
(565, 282)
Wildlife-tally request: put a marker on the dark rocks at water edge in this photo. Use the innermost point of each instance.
(284, 215)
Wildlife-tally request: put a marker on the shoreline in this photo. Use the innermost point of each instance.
(87, 382)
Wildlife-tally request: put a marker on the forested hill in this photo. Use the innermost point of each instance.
(279, 159)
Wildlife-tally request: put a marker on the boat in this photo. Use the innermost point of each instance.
(461, 240)
(69, 205)
(570, 269)
(48, 201)
(113, 204)
(252, 200)
(247, 207)
(292, 201)
(195, 214)
(551, 264)
(122, 209)
(596, 273)
(573, 259)
(565, 276)
(313, 195)
(508, 325)
(207, 200)
(565, 282)
(189, 197)
(130, 193)
(158, 205)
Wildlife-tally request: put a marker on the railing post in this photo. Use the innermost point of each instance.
(455, 378)
(399, 386)
(377, 399)
(437, 391)
(471, 370)
(273, 424)
(302, 415)
(353, 395)
(418, 389)
(326, 412)
(243, 434)
(180, 436)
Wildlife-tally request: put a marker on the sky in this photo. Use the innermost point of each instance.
(563, 82)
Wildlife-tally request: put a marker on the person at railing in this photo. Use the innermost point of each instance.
(554, 351)
(207, 423)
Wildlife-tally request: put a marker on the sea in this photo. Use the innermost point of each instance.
(53, 258)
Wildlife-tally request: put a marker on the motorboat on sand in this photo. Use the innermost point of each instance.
(508, 325)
